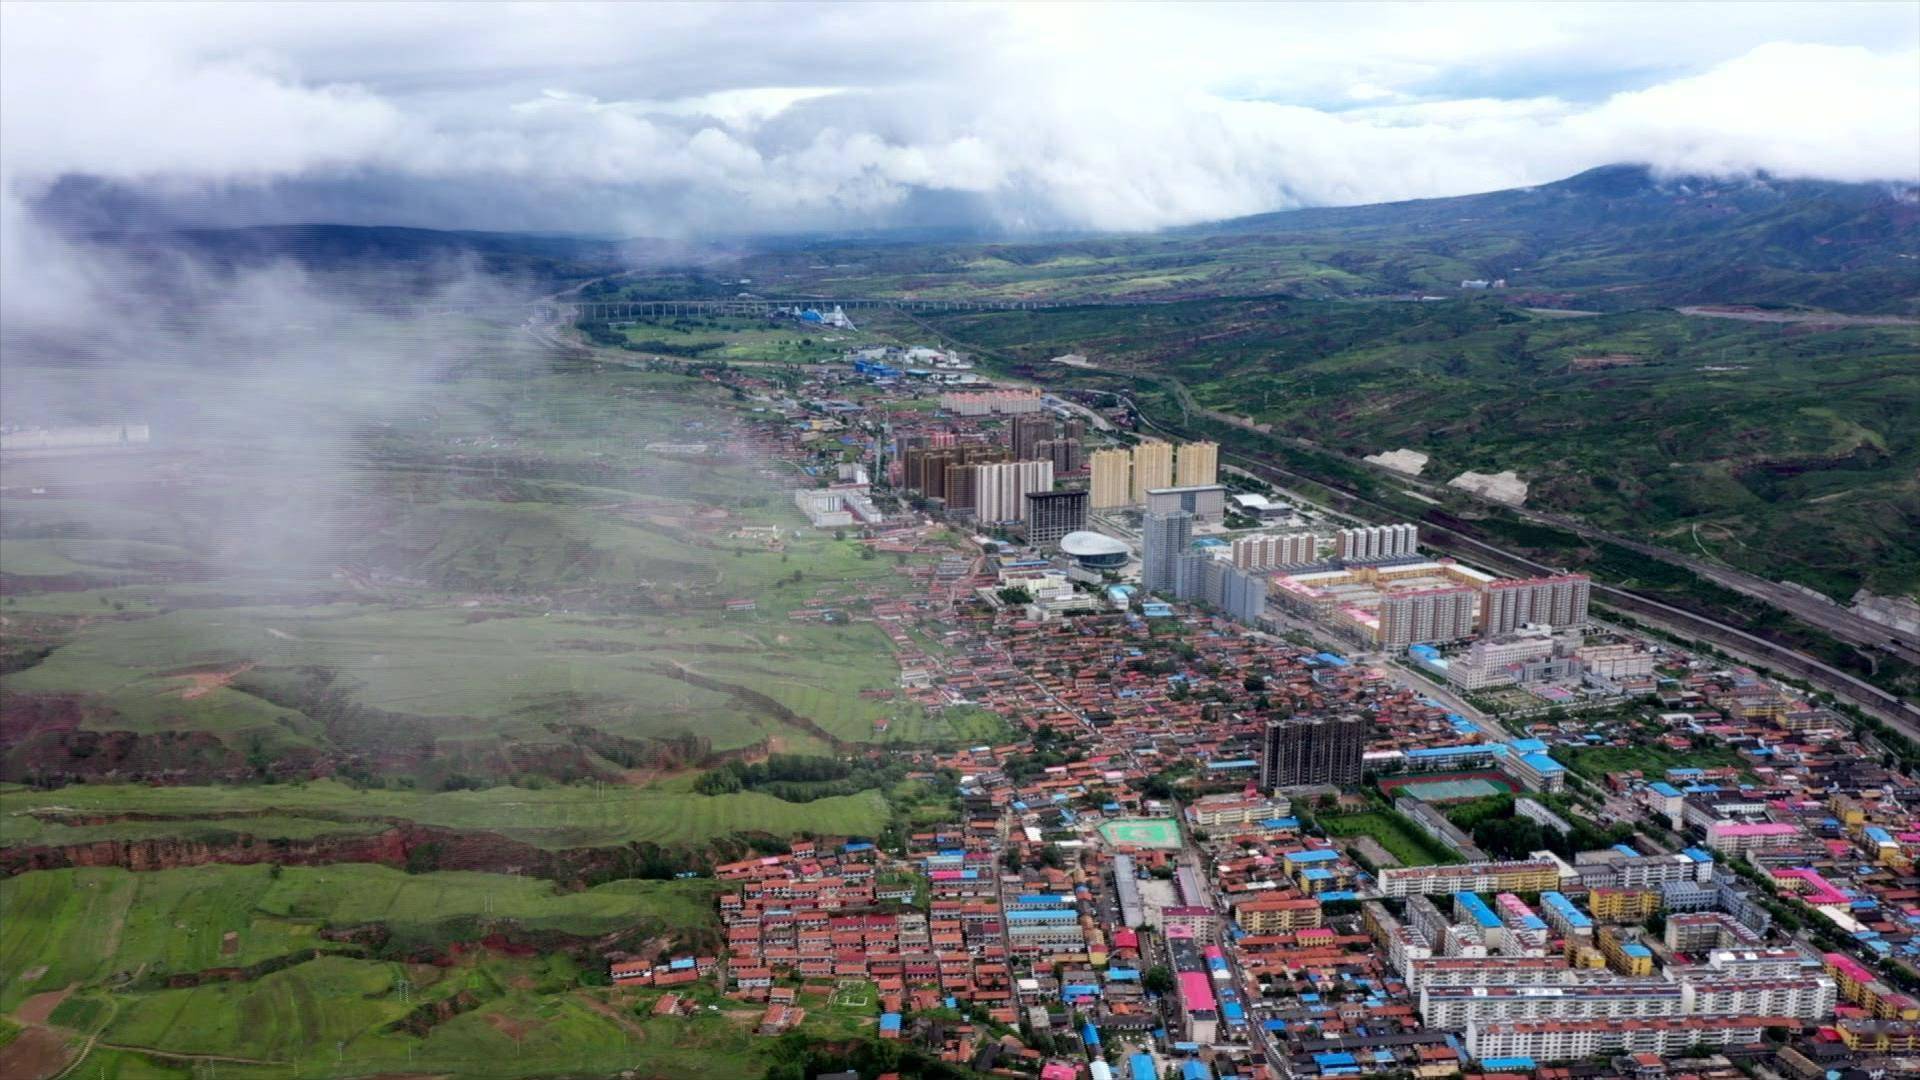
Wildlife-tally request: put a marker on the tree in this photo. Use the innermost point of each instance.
(1015, 594)
(1158, 979)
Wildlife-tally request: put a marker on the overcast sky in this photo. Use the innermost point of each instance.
(702, 120)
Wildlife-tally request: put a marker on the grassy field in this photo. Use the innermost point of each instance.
(1402, 838)
(554, 817)
(332, 1018)
(335, 1017)
(85, 926)
(1595, 762)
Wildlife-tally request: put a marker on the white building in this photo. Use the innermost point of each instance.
(1001, 488)
(1566, 1040)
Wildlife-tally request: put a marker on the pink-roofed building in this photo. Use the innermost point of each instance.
(1738, 838)
(1196, 991)
(1811, 887)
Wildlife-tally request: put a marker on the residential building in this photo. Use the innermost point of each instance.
(1164, 538)
(1271, 551)
(1026, 433)
(1521, 875)
(1002, 488)
(1198, 463)
(1152, 468)
(1112, 479)
(1558, 601)
(1313, 750)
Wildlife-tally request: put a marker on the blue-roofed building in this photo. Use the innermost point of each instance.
(1141, 1066)
(1507, 1064)
(1043, 915)
(1331, 1063)
(1467, 755)
(890, 1023)
(1089, 1034)
(1314, 856)
(1469, 906)
(1195, 1070)
(1537, 770)
(1565, 916)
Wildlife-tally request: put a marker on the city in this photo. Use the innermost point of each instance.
(813, 541)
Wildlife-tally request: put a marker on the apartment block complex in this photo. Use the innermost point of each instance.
(1313, 750)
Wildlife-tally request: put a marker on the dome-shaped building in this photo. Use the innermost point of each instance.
(1095, 551)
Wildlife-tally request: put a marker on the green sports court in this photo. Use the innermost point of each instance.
(1142, 832)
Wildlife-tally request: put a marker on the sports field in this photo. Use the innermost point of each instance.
(1142, 832)
(1449, 787)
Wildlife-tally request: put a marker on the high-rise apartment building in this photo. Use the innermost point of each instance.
(925, 467)
(1239, 594)
(1065, 454)
(1558, 601)
(1271, 551)
(1053, 514)
(1412, 618)
(1378, 543)
(1164, 538)
(1152, 468)
(961, 487)
(1198, 463)
(1026, 433)
(1001, 488)
(1112, 479)
(1313, 750)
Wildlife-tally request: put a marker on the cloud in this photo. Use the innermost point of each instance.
(700, 120)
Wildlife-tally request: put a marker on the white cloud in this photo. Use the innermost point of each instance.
(656, 118)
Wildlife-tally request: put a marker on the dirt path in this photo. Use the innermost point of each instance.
(172, 1055)
(39, 1008)
(1812, 318)
(619, 1016)
(206, 682)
